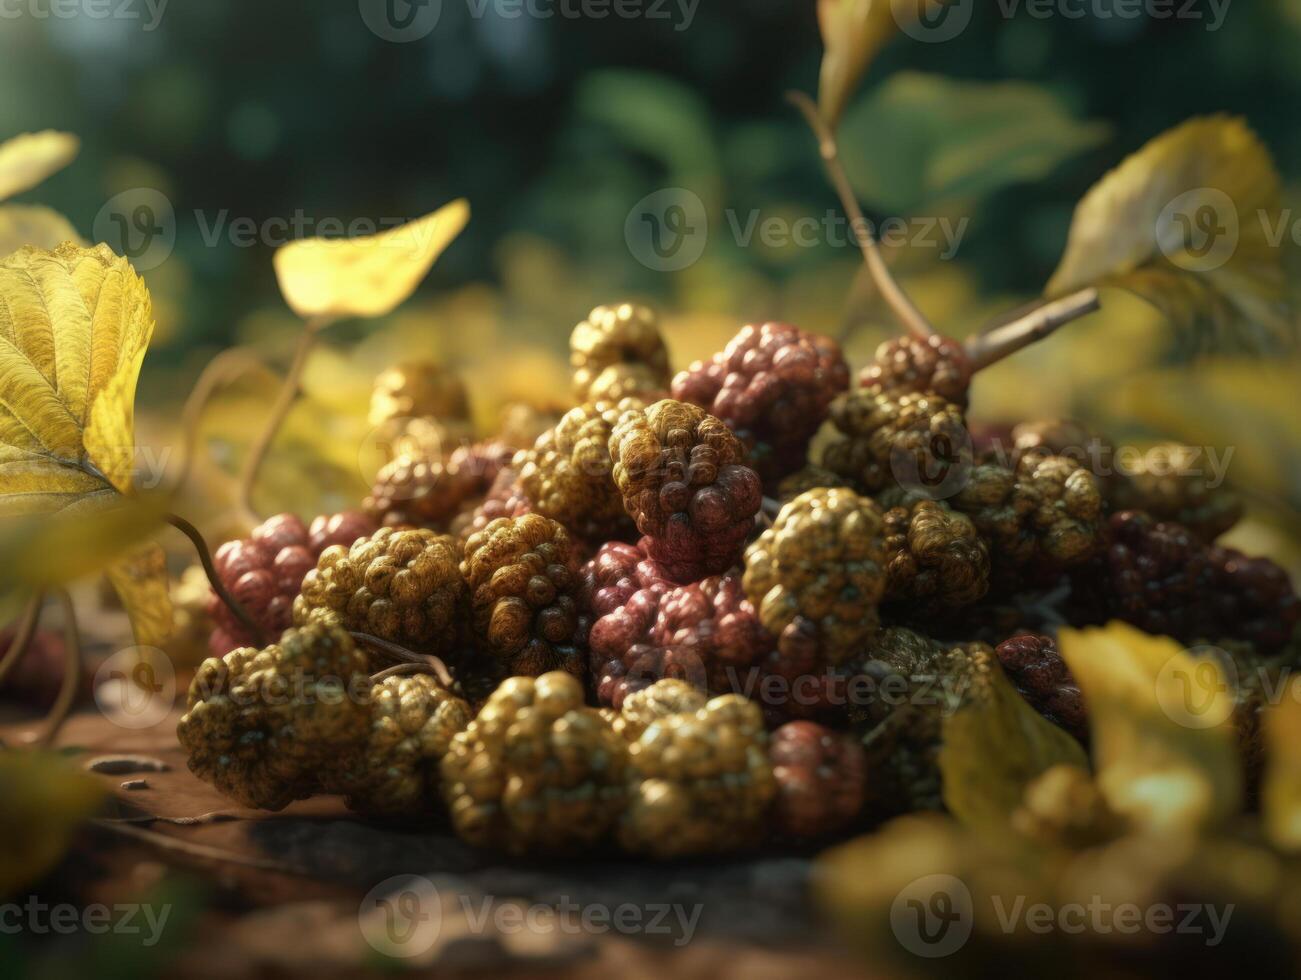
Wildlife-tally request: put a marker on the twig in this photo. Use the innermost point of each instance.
(22, 636)
(404, 656)
(221, 370)
(904, 309)
(401, 670)
(71, 673)
(279, 411)
(219, 587)
(203, 819)
(985, 349)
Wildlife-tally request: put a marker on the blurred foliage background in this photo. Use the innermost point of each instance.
(555, 127)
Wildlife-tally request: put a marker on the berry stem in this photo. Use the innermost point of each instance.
(279, 411)
(71, 673)
(905, 310)
(22, 636)
(220, 371)
(219, 587)
(404, 657)
(988, 348)
(436, 668)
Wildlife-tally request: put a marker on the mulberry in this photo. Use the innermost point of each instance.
(821, 563)
(1036, 669)
(685, 483)
(772, 385)
(933, 364)
(393, 771)
(935, 559)
(416, 491)
(1169, 483)
(418, 389)
(524, 587)
(808, 478)
(265, 571)
(916, 441)
(402, 586)
(261, 724)
(617, 352)
(702, 782)
(821, 780)
(536, 771)
(663, 698)
(505, 498)
(567, 475)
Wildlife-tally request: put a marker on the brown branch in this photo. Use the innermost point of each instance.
(905, 310)
(402, 670)
(987, 348)
(22, 636)
(71, 673)
(220, 371)
(403, 656)
(279, 412)
(219, 587)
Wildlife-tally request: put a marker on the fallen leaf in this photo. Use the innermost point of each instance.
(1161, 723)
(1189, 223)
(369, 276)
(28, 159)
(994, 746)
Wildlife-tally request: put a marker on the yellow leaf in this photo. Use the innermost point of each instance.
(994, 746)
(1162, 727)
(25, 224)
(1193, 223)
(140, 580)
(28, 159)
(365, 277)
(1280, 792)
(45, 799)
(74, 326)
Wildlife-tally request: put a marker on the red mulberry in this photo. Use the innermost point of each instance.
(821, 780)
(1034, 666)
(772, 385)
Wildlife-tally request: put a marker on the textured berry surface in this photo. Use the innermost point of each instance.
(525, 589)
(684, 481)
(536, 771)
(260, 724)
(773, 385)
(821, 566)
(911, 364)
(1035, 667)
(393, 770)
(505, 498)
(416, 491)
(821, 780)
(935, 559)
(663, 698)
(418, 389)
(568, 475)
(617, 352)
(1165, 580)
(265, 571)
(1172, 483)
(890, 439)
(1044, 515)
(404, 586)
(702, 782)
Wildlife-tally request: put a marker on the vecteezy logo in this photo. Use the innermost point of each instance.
(932, 21)
(1196, 689)
(139, 224)
(937, 465)
(401, 916)
(136, 687)
(1198, 230)
(932, 916)
(401, 21)
(666, 231)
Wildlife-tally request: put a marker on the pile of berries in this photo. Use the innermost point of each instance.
(665, 618)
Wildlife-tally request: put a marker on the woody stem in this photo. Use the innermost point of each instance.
(988, 348)
(22, 636)
(210, 570)
(905, 310)
(71, 673)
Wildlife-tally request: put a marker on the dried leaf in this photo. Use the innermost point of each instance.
(140, 580)
(26, 224)
(1280, 791)
(1190, 223)
(28, 159)
(853, 32)
(46, 799)
(1161, 723)
(365, 277)
(994, 745)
